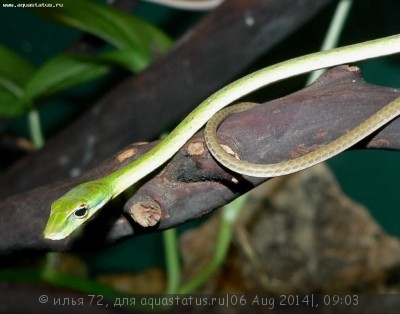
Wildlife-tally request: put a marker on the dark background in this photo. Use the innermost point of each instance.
(369, 177)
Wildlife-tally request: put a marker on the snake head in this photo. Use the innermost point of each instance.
(75, 207)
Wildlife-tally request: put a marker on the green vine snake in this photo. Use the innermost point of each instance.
(79, 204)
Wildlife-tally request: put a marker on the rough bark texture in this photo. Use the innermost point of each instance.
(193, 184)
(209, 55)
(297, 234)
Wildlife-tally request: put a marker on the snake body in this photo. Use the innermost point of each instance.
(377, 120)
(76, 206)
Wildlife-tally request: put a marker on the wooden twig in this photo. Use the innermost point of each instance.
(192, 183)
(210, 55)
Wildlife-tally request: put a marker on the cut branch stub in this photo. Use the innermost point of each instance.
(212, 53)
(192, 184)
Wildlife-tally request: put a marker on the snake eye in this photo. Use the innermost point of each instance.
(81, 212)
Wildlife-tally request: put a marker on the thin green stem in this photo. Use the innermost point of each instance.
(35, 129)
(34, 125)
(49, 269)
(36, 135)
(35, 132)
(231, 211)
(172, 260)
(229, 216)
(333, 34)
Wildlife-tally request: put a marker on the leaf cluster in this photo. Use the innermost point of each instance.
(133, 43)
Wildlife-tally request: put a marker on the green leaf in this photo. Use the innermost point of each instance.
(116, 27)
(62, 72)
(14, 68)
(15, 71)
(136, 39)
(126, 58)
(10, 106)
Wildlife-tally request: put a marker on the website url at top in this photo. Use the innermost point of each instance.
(33, 5)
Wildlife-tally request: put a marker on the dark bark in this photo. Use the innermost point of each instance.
(211, 54)
(193, 184)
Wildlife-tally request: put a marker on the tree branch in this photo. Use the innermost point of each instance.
(212, 53)
(193, 184)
